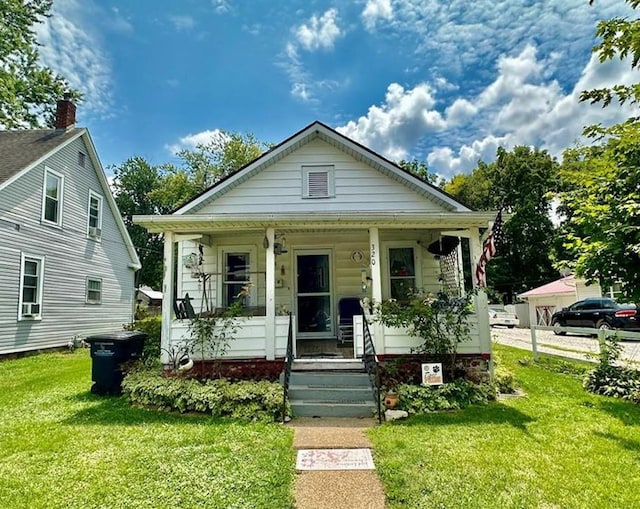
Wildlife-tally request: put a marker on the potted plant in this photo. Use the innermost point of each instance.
(390, 383)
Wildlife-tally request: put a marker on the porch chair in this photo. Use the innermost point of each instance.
(183, 308)
(347, 308)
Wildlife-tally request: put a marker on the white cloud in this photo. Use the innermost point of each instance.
(375, 10)
(403, 118)
(69, 46)
(320, 32)
(519, 107)
(182, 22)
(460, 111)
(191, 141)
(221, 6)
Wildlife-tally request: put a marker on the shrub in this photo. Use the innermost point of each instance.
(456, 395)
(610, 379)
(503, 378)
(253, 401)
(440, 321)
(152, 327)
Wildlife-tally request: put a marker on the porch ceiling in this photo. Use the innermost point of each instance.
(197, 223)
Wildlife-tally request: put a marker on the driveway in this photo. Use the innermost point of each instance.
(571, 346)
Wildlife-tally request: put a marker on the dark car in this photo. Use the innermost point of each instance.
(597, 313)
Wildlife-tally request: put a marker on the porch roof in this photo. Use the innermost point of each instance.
(198, 223)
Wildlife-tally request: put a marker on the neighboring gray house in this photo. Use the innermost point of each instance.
(67, 263)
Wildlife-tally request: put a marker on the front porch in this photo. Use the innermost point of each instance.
(319, 273)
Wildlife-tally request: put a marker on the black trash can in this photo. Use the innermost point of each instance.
(108, 352)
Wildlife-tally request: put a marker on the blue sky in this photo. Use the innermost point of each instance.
(442, 81)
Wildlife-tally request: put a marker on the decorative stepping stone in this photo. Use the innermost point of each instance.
(334, 459)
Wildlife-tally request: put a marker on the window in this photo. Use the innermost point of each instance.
(52, 197)
(81, 159)
(94, 227)
(236, 278)
(317, 182)
(402, 272)
(30, 302)
(94, 290)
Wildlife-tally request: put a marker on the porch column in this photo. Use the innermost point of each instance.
(482, 307)
(270, 282)
(167, 295)
(376, 285)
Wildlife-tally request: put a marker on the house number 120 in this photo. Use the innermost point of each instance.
(373, 254)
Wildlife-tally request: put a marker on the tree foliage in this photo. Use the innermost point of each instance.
(420, 170)
(601, 201)
(519, 182)
(619, 37)
(134, 184)
(601, 205)
(28, 90)
(145, 189)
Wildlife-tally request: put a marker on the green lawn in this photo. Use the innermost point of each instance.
(61, 446)
(559, 447)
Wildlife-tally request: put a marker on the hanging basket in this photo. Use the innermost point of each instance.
(444, 246)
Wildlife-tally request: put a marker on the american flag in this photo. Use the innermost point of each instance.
(488, 250)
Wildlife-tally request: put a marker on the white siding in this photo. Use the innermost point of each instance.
(249, 341)
(585, 291)
(347, 274)
(346, 282)
(398, 342)
(358, 187)
(69, 258)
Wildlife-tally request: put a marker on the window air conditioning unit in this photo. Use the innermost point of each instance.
(94, 232)
(30, 309)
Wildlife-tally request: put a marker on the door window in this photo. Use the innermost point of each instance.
(314, 294)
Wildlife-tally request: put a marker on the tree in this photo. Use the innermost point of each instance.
(144, 189)
(209, 163)
(28, 90)
(601, 232)
(134, 184)
(519, 182)
(620, 37)
(420, 170)
(472, 189)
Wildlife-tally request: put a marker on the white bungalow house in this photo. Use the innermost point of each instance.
(67, 263)
(316, 224)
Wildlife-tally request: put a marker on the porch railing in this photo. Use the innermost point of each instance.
(371, 364)
(287, 369)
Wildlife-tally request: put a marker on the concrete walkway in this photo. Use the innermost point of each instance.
(331, 489)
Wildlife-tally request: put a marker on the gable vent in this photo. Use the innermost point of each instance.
(318, 181)
(318, 184)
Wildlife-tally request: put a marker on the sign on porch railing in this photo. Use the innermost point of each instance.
(432, 374)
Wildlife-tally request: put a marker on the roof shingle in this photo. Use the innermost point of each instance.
(19, 149)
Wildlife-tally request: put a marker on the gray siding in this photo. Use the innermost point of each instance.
(70, 257)
(358, 187)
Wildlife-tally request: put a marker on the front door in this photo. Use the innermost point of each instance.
(313, 294)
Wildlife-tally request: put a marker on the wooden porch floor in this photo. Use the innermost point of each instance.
(328, 348)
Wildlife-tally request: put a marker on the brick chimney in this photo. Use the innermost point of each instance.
(65, 113)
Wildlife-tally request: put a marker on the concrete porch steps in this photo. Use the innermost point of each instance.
(331, 394)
